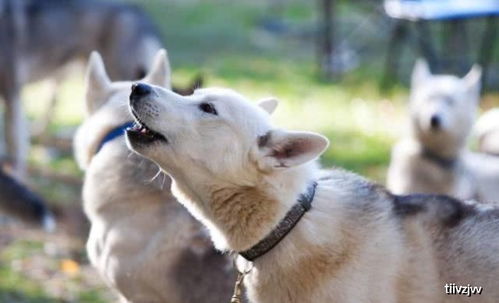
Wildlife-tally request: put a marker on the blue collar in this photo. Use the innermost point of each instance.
(114, 133)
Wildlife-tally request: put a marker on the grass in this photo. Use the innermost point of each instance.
(28, 275)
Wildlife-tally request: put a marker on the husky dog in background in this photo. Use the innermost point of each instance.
(37, 38)
(357, 243)
(487, 132)
(143, 243)
(435, 158)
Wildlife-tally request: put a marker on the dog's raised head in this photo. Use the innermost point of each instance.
(216, 139)
(107, 103)
(443, 107)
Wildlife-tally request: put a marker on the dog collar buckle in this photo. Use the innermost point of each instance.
(238, 287)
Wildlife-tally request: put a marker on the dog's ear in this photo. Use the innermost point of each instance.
(97, 82)
(473, 79)
(268, 104)
(283, 149)
(160, 73)
(420, 73)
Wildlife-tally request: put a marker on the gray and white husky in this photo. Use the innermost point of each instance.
(37, 38)
(143, 243)
(435, 157)
(355, 243)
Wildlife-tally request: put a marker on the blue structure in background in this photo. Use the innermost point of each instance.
(441, 9)
(451, 13)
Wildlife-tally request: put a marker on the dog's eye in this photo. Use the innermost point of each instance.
(208, 108)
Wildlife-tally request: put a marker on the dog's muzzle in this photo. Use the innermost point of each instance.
(140, 132)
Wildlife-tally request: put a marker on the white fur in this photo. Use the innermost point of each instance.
(487, 132)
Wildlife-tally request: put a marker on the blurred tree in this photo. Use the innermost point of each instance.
(325, 38)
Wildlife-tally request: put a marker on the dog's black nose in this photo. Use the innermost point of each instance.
(140, 90)
(435, 122)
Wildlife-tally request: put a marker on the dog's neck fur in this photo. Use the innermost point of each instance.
(441, 146)
(237, 216)
(90, 135)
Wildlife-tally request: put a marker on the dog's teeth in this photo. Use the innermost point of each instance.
(136, 126)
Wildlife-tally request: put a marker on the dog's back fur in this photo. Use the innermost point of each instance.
(240, 175)
(143, 243)
(361, 244)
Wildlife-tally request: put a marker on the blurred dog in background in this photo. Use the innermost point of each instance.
(143, 243)
(37, 38)
(487, 132)
(435, 158)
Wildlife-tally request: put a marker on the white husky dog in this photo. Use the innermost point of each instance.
(313, 236)
(134, 241)
(435, 158)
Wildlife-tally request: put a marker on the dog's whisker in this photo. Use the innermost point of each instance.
(155, 176)
(164, 180)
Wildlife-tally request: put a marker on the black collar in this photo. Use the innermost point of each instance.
(284, 227)
(114, 133)
(443, 162)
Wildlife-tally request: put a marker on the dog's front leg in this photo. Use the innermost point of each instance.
(16, 133)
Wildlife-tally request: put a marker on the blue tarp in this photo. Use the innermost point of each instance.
(441, 9)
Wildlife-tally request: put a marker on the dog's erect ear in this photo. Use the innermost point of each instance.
(420, 73)
(97, 82)
(268, 104)
(282, 149)
(160, 73)
(473, 80)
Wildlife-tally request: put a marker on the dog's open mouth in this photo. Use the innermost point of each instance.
(143, 134)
